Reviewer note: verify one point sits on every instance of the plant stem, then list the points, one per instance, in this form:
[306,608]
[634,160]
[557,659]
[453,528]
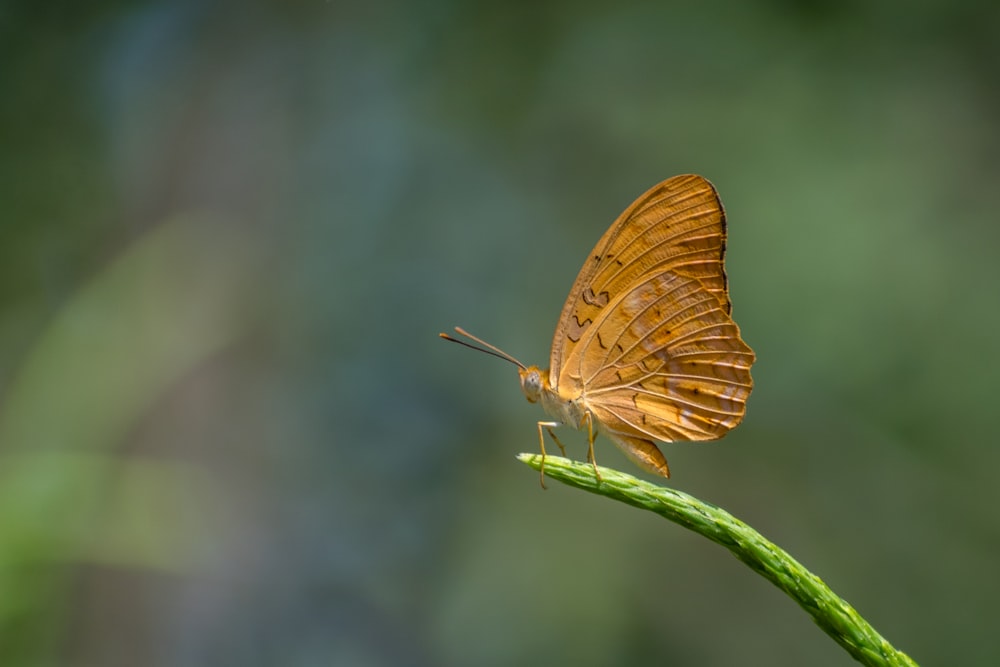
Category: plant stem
[833,614]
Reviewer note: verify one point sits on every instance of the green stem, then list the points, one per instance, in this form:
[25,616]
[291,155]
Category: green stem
[834,615]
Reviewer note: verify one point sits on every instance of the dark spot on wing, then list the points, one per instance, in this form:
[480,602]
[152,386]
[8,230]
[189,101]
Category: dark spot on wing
[575,332]
[592,299]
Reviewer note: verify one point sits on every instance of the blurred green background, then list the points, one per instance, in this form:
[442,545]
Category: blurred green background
[231,231]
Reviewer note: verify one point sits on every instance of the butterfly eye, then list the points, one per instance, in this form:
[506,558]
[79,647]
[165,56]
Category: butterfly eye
[531,384]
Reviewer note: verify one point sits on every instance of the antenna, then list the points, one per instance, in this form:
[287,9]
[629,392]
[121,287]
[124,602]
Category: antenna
[486,347]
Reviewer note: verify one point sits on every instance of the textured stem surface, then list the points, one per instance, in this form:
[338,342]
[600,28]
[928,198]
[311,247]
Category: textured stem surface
[834,615]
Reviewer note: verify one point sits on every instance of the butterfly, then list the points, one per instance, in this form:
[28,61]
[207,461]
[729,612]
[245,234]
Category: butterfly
[646,349]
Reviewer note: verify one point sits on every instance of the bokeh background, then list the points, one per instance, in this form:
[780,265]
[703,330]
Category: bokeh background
[231,231]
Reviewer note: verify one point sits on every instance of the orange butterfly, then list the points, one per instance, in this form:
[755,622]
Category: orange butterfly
[645,348]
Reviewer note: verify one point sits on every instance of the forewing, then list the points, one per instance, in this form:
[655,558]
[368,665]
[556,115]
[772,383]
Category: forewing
[677,226]
[664,360]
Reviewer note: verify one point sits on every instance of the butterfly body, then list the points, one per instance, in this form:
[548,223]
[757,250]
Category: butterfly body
[572,410]
[567,410]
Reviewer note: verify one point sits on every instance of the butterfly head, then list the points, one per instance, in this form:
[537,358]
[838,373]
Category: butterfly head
[533,380]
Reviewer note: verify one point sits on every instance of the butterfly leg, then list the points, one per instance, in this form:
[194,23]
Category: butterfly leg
[541,444]
[590,437]
[548,427]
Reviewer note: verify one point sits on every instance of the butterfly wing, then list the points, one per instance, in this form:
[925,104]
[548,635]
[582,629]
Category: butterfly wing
[665,361]
[645,337]
[677,226]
